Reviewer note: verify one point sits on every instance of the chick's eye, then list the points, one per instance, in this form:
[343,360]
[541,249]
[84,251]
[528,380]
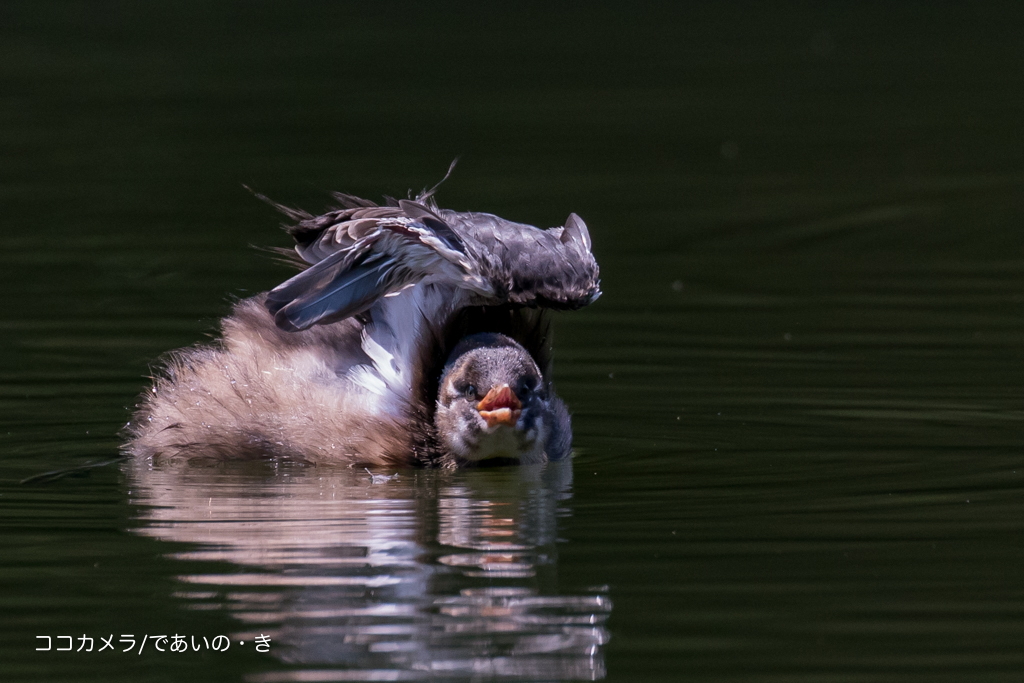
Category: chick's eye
[467,390]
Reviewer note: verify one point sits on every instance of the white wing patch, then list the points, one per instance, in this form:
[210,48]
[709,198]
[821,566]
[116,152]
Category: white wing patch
[385,365]
[366,376]
[392,341]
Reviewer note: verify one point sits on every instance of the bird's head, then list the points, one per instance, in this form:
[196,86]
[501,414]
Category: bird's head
[493,402]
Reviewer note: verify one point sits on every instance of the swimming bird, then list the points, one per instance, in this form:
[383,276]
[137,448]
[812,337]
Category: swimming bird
[414,335]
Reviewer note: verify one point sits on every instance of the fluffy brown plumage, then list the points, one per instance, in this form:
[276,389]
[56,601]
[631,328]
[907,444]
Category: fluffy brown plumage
[260,392]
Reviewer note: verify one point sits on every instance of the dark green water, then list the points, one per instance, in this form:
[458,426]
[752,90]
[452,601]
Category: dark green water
[797,408]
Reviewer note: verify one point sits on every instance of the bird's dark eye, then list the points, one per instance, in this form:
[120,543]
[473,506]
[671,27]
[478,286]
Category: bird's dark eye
[467,390]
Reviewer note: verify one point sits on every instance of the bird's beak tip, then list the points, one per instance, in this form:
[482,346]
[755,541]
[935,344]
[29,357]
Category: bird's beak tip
[500,406]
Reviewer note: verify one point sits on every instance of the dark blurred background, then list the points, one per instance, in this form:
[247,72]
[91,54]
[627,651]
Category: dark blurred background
[808,218]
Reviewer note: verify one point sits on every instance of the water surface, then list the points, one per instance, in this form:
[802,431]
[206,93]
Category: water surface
[797,407]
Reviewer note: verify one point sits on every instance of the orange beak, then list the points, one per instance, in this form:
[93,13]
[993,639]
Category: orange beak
[500,407]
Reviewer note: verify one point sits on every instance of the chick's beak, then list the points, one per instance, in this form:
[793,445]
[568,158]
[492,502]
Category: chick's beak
[500,406]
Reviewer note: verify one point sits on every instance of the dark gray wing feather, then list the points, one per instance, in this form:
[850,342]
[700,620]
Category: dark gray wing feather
[551,268]
[362,252]
[336,288]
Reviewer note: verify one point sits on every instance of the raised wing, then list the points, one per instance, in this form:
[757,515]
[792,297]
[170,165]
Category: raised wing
[551,268]
[362,252]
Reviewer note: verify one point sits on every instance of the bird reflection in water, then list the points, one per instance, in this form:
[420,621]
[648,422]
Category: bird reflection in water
[431,575]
